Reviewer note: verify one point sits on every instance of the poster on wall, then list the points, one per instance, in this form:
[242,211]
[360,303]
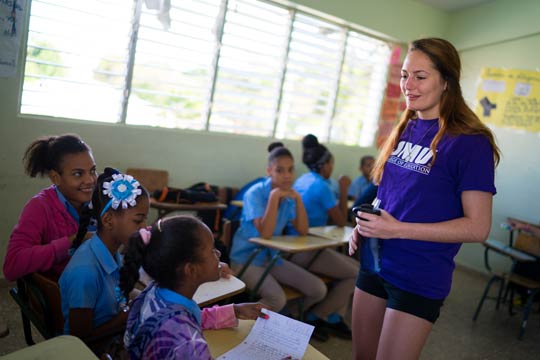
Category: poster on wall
[11,20]
[509,98]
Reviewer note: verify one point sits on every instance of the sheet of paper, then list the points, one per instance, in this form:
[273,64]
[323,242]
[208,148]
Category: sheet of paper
[275,338]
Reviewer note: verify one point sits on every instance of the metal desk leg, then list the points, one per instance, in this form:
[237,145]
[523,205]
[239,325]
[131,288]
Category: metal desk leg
[266,272]
[314,258]
[248,262]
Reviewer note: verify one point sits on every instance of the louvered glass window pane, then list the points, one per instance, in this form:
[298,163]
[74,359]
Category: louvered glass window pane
[172,75]
[361,90]
[76,59]
[250,68]
[313,66]
[239,66]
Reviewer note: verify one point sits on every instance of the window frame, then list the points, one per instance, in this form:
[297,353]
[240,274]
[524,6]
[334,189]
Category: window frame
[326,127]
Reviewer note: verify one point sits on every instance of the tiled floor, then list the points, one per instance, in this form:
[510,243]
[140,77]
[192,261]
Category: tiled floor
[454,336]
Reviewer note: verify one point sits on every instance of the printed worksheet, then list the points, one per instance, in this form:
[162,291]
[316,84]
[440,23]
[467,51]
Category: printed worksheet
[275,338]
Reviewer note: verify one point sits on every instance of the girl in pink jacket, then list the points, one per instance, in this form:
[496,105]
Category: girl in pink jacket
[41,240]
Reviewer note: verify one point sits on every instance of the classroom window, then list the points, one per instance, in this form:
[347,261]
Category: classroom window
[238,66]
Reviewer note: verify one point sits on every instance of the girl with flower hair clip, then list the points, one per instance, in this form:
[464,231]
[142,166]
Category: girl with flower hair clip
[92,303]
[164,321]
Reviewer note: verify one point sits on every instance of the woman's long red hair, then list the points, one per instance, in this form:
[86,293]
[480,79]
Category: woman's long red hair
[455,118]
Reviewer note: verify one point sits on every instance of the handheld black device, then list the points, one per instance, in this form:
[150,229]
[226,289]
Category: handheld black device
[366,208]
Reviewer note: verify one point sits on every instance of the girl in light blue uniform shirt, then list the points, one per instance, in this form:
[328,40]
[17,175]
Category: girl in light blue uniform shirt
[269,206]
[320,204]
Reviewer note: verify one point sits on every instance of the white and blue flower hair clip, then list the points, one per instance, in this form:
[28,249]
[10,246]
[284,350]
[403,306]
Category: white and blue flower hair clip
[123,190]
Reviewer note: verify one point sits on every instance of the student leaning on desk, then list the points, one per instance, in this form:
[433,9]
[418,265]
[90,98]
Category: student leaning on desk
[164,321]
[46,228]
[269,206]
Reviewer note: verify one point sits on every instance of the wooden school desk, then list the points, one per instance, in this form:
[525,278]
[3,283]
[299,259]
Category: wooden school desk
[163,208]
[511,235]
[239,203]
[59,347]
[287,244]
[333,232]
[294,244]
[210,292]
[223,340]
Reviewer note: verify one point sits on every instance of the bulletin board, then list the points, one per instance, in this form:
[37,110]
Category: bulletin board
[509,98]
[11,20]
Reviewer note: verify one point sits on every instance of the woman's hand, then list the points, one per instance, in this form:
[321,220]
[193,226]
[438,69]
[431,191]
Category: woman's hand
[224,270]
[249,311]
[354,241]
[383,226]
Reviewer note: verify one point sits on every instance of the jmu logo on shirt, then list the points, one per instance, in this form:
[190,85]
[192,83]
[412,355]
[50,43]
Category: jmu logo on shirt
[412,157]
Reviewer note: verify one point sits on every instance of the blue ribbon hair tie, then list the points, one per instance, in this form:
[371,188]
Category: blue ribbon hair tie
[123,190]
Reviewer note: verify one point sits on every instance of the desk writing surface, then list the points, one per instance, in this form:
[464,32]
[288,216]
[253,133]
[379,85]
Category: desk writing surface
[294,244]
[215,291]
[508,251]
[171,206]
[209,292]
[221,341]
[239,203]
[332,232]
[60,347]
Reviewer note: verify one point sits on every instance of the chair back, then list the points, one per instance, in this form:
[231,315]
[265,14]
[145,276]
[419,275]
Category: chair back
[49,308]
[38,298]
[528,243]
[151,179]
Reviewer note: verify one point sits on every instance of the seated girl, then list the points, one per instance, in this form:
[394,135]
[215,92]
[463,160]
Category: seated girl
[92,303]
[164,322]
[320,206]
[270,206]
[41,239]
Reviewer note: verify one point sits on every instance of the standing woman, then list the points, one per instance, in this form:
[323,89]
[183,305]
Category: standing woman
[436,175]
[48,224]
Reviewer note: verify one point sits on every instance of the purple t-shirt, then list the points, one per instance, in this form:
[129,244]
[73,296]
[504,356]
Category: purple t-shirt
[412,191]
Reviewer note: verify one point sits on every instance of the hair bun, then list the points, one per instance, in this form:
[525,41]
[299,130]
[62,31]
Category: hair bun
[275,145]
[310,141]
[108,172]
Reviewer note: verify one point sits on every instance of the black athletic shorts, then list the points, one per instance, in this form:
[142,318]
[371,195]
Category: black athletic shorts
[398,299]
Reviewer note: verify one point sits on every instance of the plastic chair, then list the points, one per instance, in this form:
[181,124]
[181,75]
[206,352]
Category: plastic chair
[526,248]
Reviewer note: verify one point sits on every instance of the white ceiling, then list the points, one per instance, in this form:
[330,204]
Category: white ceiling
[453,5]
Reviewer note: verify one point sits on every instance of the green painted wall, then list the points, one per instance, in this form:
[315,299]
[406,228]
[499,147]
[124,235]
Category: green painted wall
[504,34]
[404,20]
